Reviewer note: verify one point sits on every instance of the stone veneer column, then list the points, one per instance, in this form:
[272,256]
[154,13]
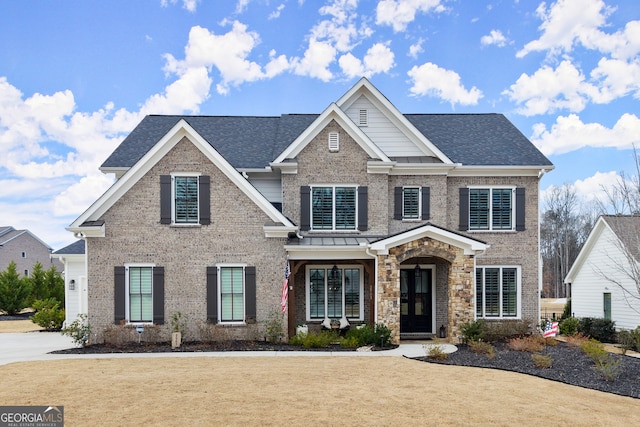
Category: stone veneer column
[460,293]
[389,295]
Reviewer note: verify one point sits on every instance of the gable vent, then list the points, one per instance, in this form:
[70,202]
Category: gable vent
[334,141]
[364,117]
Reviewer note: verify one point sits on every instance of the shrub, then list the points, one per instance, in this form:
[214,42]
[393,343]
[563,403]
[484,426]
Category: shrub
[594,349]
[626,341]
[566,313]
[382,335]
[378,335]
[600,329]
[569,326]
[349,342]
[472,331]
[531,344]
[541,361]
[320,339]
[178,323]
[485,348]
[79,330]
[119,335]
[500,331]
[152,334]
[48,314]
[435,352]
[576,340]
[14,290]
[274,331]
[608,367]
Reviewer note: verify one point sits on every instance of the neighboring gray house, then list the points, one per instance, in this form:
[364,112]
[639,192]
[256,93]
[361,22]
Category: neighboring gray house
[25,249]
[417,221]
[605,276]
[75,279]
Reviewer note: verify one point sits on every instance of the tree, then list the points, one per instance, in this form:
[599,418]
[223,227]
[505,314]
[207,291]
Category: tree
[623,197]
[39,289]
[55,284]
[14,290]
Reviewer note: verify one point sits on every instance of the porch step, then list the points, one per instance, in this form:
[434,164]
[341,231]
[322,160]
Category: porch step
[416,336]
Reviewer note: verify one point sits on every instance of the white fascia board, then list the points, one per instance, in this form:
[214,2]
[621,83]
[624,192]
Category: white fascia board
[278,230]
[500,170]
[594,236]
[297,252]
[377,98]
[377,166]
[470,246]
[155,154]
[92,231]
[332,112]
[119,172]
[287,168]
[423,168]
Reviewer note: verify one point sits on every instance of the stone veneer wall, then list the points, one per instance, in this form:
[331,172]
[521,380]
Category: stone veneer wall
[459,284]
[134,235]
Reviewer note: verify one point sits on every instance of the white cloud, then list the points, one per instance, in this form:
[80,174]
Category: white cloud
[495,37]
[276,13]
[379,59]
[431,80]
[400,13]
[548,90]
[592,189]
[78,197]
[567,22]
[570,133]
[616,78]
[316,61]
[416,49]
[190,5]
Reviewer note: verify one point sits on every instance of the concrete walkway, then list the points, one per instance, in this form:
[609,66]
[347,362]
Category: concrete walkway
[30,346]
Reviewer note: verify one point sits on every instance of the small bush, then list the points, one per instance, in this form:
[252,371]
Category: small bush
[178,323]
[609,367]
[531,344]
[119,336]
[541,361]
[472,331]
[569,326]
[576,340]
[550,341]
[79,330]
[600,329]
[152,334]
[566,313]
[349,342]
[594,349]
[274,331]
[320,339]
[485,348]
[435,352]
[500,331]
[626,341]
[48,314]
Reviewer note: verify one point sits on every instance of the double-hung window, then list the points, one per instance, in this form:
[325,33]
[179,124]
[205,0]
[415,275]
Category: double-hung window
[333,208]
[185,199]
[140,293]
[497,292]
[334,292]
[232,289]
[491,208]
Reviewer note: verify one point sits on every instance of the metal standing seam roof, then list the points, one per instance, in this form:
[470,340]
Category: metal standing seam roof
[253,142]
[334,240]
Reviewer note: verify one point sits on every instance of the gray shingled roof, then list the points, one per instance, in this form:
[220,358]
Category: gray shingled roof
[76,248]
[254,142]
[627,228]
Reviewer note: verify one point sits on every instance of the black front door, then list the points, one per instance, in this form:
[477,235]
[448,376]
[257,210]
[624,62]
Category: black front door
[415,301]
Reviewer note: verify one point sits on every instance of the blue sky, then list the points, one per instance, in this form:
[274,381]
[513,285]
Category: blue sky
[77,76]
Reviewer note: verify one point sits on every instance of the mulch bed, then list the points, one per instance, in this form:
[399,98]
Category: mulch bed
[570,365]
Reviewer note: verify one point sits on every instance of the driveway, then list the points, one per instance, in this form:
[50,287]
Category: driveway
[26,346]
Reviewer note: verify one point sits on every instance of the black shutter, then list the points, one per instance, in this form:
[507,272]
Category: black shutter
[165,199]
[250,294]
[520,208]
[204,199]
[119,294]
[426,202]
[397,203]
[464,209]
[158,295]
[212,294]
[305,208]
[363,208]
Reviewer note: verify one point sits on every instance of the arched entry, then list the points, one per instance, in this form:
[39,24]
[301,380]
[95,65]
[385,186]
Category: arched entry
[417,300]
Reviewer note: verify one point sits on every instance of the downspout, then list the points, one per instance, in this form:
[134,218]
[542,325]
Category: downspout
[375,269]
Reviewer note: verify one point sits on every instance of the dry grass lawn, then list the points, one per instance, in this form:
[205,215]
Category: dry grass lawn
[18,326]
[302,391]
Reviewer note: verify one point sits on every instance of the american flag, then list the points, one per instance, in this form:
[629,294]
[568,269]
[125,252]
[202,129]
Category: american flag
[285,287]
[551,330]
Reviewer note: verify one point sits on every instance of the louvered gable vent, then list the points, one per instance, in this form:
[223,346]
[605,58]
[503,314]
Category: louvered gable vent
[334,141]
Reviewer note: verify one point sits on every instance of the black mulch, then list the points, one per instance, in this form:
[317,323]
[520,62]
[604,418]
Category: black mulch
[570,365]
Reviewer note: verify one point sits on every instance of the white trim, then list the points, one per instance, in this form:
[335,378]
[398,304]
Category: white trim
[582,257]
[327,268]
[175,175]
[219,267]
[501,267]
[419,215]
[490,201]
[333,228]
[469,245]
[431,267]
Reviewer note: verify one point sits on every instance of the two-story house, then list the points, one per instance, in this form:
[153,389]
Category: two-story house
[25,249]
[416,221]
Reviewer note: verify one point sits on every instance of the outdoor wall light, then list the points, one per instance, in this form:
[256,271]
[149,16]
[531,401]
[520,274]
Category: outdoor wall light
[72,285]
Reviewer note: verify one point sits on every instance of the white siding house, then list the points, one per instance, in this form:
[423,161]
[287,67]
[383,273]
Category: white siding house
[602,277]
[75,279]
